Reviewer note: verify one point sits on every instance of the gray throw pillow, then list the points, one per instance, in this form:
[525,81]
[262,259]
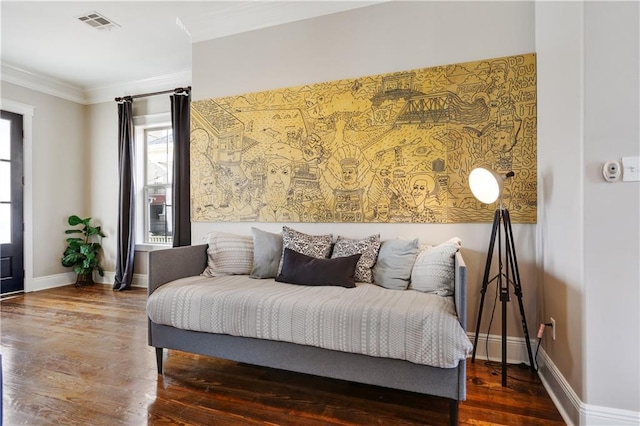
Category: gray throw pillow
[267,250]
[395,262]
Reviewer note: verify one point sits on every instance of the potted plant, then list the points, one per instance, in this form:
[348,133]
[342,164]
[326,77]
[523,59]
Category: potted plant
[83,253]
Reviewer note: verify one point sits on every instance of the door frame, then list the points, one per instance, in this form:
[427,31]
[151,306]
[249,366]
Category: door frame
[27,112]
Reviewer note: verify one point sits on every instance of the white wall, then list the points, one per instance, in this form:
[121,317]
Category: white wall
[589,230]
[58,180]
[612,211]
[559,44]
[384,38]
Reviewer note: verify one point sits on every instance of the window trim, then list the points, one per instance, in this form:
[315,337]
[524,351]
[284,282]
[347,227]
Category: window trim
[141,124]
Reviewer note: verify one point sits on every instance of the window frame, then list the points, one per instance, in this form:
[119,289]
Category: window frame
[141,125]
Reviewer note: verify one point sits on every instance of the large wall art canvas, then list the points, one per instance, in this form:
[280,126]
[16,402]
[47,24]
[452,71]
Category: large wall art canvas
[396,147]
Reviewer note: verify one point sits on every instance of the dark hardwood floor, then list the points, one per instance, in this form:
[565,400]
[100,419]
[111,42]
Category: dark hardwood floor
[79,356]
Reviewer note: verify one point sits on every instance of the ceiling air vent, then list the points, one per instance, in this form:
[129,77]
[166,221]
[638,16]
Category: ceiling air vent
[97,21]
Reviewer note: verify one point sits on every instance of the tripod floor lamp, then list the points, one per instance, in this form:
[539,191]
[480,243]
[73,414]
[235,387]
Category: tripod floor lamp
[486,186]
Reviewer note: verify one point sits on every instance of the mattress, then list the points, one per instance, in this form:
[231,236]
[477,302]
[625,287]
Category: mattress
[368,319]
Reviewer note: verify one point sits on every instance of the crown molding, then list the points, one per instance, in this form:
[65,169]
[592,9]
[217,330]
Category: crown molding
[153,84]
[41,83]
[51,86]
[262,14]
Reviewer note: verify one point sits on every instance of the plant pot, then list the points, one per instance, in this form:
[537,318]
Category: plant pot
[83,280]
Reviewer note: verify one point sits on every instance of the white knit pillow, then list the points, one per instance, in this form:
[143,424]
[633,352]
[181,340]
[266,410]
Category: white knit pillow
[433,272]
[228,254]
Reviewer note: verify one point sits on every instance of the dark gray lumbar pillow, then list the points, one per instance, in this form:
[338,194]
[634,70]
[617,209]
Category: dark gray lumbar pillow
[298,268]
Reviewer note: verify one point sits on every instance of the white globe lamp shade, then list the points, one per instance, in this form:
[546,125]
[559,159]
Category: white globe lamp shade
[485,184]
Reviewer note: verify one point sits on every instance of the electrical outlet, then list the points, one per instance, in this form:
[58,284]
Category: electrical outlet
[553,329]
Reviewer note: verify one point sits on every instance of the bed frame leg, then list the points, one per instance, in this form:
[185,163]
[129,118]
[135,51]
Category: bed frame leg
[454,405]
[159,356]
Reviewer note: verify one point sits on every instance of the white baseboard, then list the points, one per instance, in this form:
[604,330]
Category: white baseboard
[67,278]
[516,348]
[49,281]
[139,280]
[562,394]
[571,408]
[596,415]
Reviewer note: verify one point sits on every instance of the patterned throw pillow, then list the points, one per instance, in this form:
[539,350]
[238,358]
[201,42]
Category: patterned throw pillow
[433,271]
[228,254]
[368,247]
[310,245]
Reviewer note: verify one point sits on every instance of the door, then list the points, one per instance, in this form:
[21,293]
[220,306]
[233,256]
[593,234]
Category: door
[11,192]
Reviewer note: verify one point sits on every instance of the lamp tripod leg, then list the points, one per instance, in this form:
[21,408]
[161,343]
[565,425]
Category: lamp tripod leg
[513,261]
[485,280]
[504,301]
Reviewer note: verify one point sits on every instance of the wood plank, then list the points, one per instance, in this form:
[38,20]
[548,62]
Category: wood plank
[78,356]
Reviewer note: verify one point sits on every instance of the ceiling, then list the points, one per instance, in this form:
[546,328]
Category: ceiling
[45,46]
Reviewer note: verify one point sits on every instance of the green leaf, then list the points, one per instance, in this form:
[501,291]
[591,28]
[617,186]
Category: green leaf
[73,231]
[92,231]
[74,220]
[75,244]
[70,260]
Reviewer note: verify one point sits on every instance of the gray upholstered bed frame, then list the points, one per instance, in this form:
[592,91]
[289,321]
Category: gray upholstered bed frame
[171,264]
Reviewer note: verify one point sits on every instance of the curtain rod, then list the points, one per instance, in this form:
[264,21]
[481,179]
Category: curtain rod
[178,91]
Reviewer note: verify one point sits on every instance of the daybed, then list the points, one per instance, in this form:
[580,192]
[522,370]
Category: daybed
[181,269]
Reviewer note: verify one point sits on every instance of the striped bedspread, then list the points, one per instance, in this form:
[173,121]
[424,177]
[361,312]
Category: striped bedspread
[408,325]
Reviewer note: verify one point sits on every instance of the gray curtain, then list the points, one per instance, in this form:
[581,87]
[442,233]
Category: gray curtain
[126,201]
[180,117]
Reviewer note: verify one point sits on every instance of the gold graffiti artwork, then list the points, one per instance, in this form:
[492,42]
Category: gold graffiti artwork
[394,148]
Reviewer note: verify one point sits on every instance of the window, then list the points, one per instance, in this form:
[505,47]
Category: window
[5,182]
[157,186]
[154,214]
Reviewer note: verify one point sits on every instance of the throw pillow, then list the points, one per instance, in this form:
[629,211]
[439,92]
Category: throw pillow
[228,254]
[310,245]
[433,271]
[267,251]
[298,268]
[367,247]
[395,262]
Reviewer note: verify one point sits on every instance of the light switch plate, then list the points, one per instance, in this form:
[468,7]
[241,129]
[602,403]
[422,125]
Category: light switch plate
[630,169]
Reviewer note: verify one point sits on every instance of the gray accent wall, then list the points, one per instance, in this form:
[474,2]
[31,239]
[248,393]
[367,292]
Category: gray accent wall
[388,37]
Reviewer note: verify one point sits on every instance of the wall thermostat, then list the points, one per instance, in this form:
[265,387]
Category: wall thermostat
[611,171]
